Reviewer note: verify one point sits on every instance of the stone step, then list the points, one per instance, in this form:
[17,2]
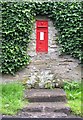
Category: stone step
[45,95]
[42,115]
[47,107]
[44,61]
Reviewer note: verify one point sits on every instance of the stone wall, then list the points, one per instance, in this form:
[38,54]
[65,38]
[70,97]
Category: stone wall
[46,69]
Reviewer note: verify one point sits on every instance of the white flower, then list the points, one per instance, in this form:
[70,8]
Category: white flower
[57,84]
[58,80]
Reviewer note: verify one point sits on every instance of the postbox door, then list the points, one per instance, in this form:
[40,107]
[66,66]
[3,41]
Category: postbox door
[42,39]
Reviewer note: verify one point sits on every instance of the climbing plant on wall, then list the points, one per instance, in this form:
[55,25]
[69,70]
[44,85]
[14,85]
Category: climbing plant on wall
[17,22]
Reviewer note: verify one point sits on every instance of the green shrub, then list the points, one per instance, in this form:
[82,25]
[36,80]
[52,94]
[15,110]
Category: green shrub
[17,22]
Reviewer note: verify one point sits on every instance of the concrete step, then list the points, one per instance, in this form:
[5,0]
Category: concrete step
[46,107]
[42,115]
[45,95]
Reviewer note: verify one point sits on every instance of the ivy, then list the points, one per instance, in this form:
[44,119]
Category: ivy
[17,22]
[17,25]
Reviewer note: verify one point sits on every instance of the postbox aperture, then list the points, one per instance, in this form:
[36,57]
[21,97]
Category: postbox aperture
[42,36]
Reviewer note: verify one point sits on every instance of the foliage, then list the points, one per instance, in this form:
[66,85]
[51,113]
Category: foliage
[17,21]
[49,85]
[12,98]
[73,90]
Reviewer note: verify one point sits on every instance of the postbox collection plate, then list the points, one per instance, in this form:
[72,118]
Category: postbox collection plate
[42,36]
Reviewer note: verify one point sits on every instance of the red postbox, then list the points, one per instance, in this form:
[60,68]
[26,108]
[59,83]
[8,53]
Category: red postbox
[42,36]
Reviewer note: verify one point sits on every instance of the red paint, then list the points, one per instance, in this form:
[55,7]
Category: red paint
[42,36]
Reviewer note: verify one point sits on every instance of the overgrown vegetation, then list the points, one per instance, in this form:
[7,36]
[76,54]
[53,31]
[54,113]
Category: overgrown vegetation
[12,98]
[73,90]
[17,21]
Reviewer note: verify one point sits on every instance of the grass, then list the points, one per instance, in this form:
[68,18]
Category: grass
[73,91]
[12,98]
